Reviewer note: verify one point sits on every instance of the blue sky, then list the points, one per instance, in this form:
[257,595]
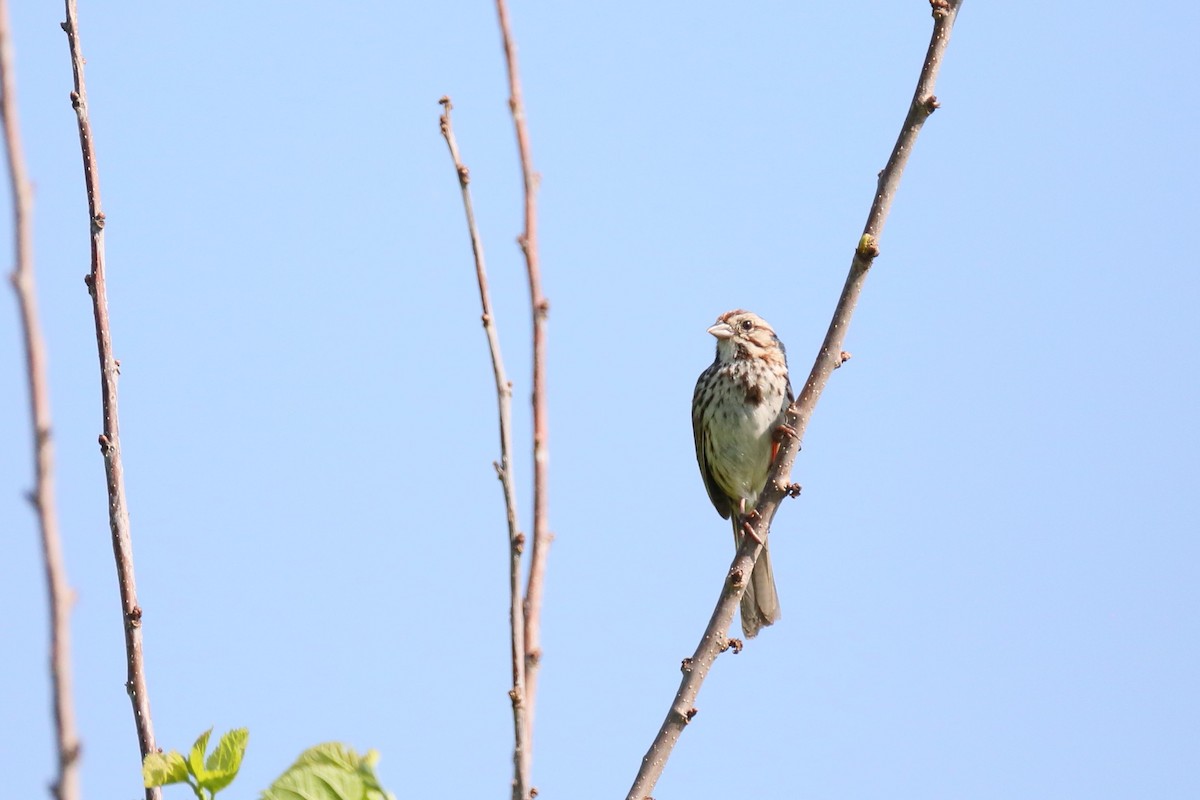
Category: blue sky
[989,584]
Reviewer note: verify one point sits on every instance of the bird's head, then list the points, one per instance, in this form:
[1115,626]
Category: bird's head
[745,335]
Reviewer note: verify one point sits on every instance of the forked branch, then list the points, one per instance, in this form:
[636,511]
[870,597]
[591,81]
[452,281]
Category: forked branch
[110,438]
[829,358]
[66,782]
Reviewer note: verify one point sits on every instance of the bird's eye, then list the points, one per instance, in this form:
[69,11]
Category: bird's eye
[747,325]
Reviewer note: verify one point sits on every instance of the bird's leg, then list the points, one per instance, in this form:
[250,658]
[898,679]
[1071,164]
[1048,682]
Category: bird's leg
[782,431]
[748,519]
[748,529]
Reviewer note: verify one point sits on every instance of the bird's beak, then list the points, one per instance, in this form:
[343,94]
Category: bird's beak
[721,330]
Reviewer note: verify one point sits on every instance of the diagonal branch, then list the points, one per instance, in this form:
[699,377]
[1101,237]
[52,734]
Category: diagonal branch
[110,440]
[829,358]
[541,426]
[66,783]
[516,540]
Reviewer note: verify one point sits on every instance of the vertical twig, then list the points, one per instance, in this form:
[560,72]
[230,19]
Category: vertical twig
[66,782]
[516,540]
[541,426]
[829,358]
[110,440]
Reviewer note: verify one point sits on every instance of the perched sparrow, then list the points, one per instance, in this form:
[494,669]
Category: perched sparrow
[738,404]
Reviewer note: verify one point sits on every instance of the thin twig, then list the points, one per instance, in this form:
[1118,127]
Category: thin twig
[829,358]
[110,440]
[541,426]
[66,783]
[516,540]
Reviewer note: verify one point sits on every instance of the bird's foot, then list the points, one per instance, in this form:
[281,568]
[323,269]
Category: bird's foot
[784,431]
[748,527]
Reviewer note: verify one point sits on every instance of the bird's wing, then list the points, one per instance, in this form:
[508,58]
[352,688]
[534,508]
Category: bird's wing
[718,498]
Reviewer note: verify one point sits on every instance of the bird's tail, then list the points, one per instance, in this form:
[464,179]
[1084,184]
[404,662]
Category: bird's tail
[760,603]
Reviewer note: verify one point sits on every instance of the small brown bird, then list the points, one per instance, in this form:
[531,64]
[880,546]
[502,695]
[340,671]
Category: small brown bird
[738,404]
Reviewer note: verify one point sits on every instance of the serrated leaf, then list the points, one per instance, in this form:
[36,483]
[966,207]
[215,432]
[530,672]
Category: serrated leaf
[163,769]
[222,765]
[195,759]
[329,771]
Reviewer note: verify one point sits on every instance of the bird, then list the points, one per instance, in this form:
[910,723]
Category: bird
[738,406]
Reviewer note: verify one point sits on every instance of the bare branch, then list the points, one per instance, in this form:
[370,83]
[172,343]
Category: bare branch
[830,357]
[66,782]
[110,440]
[541,427]
[516,540]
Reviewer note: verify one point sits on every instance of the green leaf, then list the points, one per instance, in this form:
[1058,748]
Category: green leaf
[195,760]
[329,771]
[162,769]
[222,765]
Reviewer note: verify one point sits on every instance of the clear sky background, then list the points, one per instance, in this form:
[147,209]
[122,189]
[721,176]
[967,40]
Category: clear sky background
[990,583]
